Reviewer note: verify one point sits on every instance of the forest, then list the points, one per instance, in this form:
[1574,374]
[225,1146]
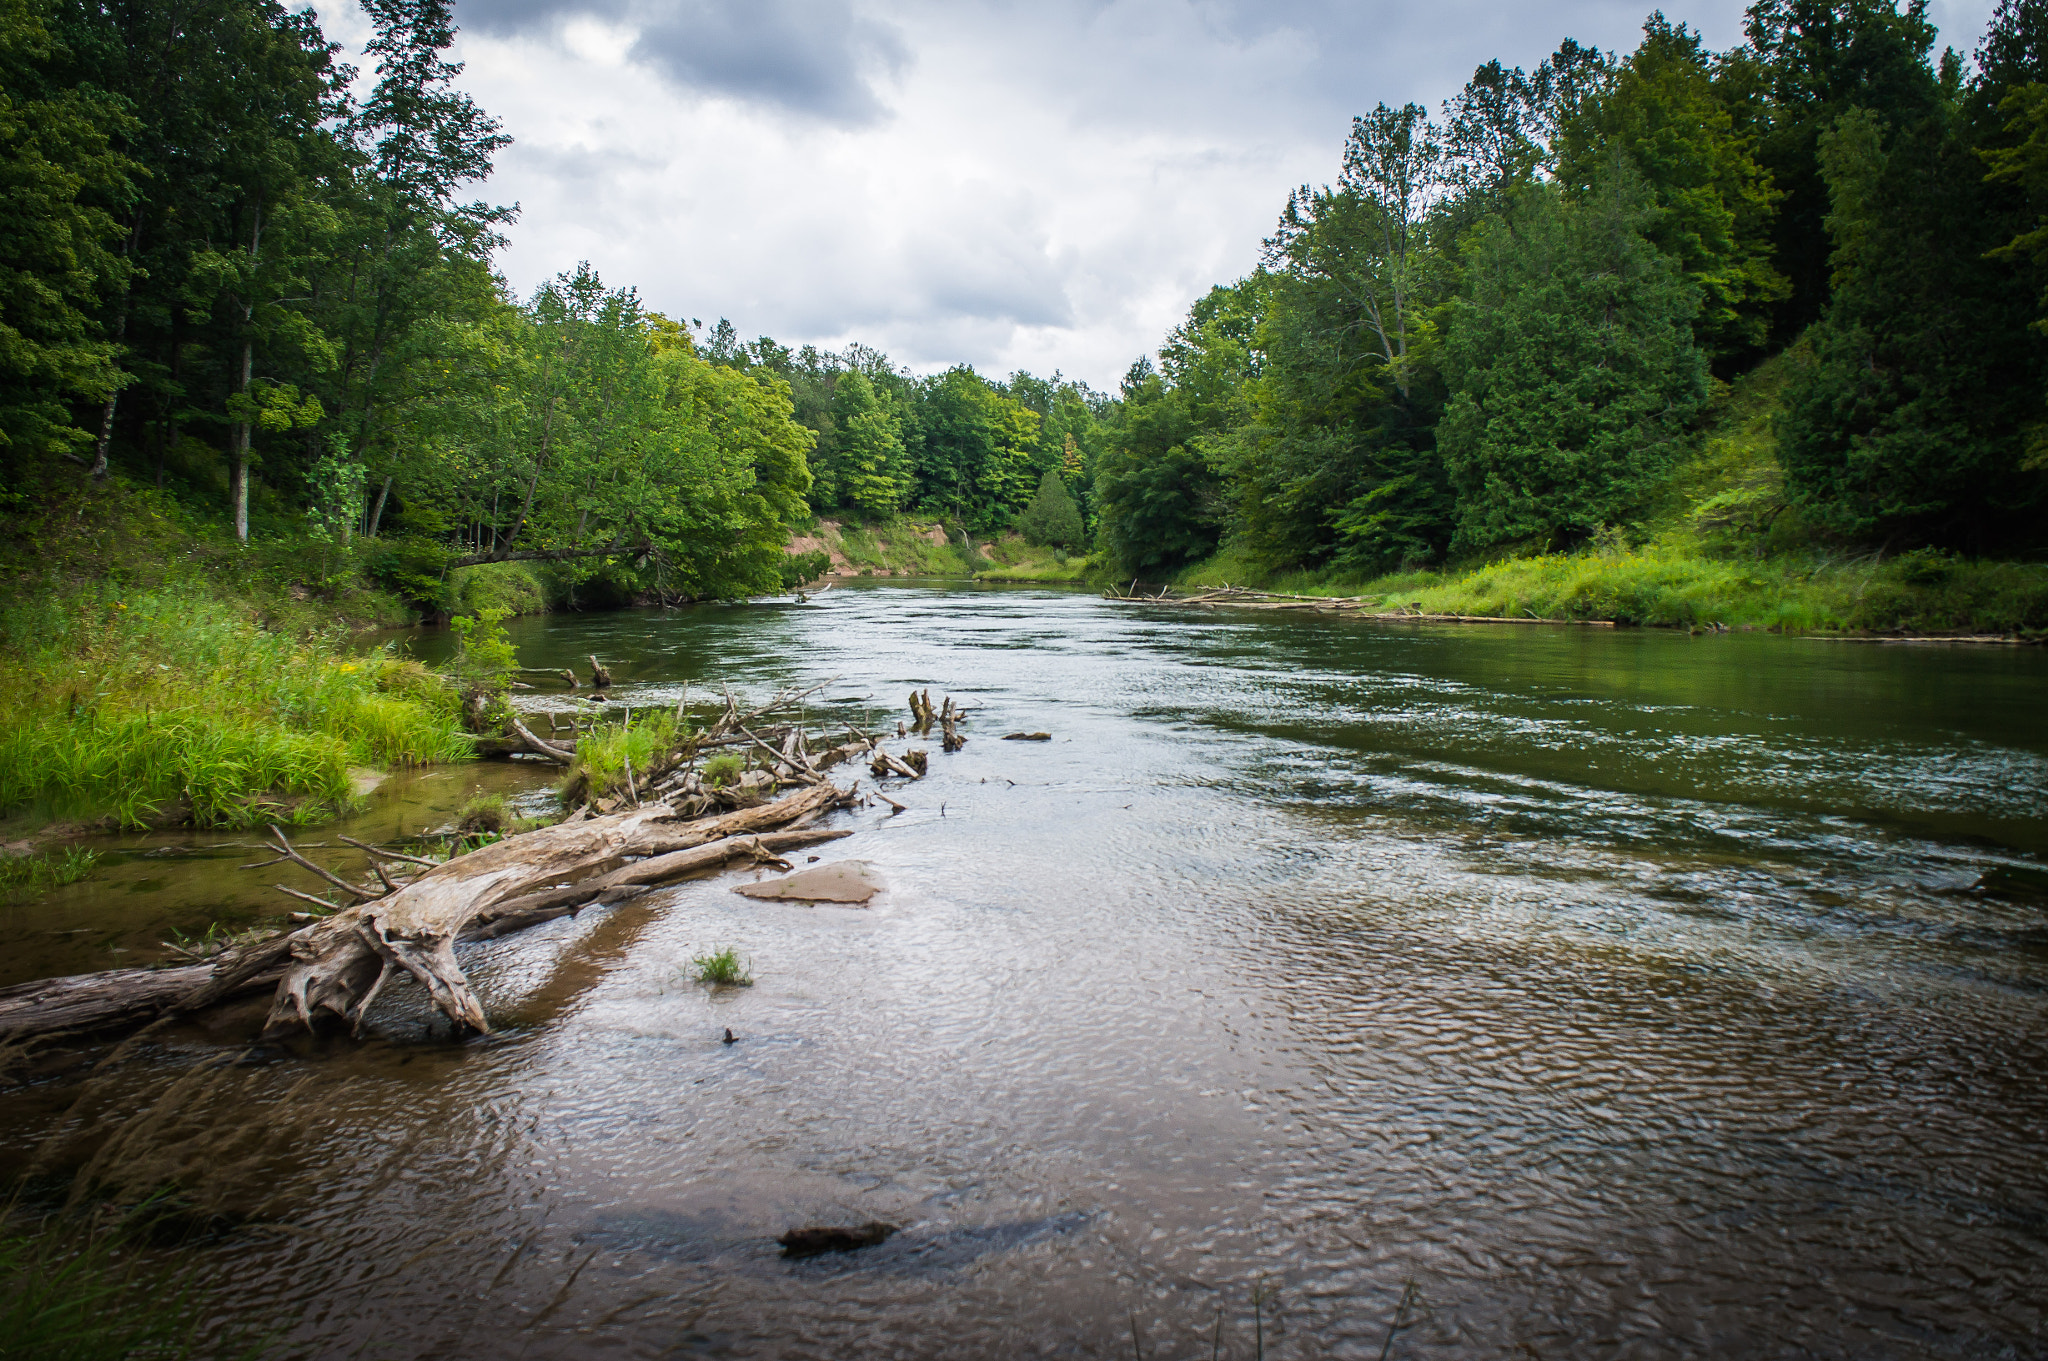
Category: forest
[1783,299]
[1515,326]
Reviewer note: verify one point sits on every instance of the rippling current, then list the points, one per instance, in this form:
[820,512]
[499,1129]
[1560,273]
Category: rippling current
[1321,989]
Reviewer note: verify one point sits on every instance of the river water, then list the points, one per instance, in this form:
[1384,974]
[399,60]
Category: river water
[1322,988]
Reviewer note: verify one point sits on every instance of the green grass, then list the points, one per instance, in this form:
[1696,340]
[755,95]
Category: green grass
[1676,588]
[72,1291]
[722,969]
[486,813]
[30,875]
[601,753]
[723,769]
[176,705]
[1721,548]
[1015,560]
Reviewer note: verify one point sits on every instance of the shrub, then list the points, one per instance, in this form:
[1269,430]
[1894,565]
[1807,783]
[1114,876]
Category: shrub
[722,969]
[483,666]
[722,770]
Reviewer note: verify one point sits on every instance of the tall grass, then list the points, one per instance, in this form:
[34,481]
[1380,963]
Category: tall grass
[175,705]
[601,753]
[79,1292]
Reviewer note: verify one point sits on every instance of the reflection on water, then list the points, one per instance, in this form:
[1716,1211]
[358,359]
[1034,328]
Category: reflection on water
[1626,994]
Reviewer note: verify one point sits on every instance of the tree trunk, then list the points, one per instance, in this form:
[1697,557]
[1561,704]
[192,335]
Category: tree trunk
[238,477]
[341,962]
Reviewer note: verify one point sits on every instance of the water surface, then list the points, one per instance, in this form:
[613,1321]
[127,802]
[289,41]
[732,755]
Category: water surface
[1603,993]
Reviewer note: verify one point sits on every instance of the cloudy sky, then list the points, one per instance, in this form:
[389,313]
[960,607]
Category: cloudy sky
[1038,186]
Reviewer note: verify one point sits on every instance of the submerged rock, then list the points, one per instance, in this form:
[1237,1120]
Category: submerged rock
[809,1242]
[842,881]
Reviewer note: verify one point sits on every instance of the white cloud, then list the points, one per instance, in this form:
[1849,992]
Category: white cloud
[1039,186]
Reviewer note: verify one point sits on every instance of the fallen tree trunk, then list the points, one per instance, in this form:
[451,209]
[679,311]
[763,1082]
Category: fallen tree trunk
[338,965]
[114,1000]
[535,908]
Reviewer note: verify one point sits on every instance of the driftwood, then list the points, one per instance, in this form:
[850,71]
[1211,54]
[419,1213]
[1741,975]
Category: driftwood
[600,679]
[539,748]
[337,964]
[115,999]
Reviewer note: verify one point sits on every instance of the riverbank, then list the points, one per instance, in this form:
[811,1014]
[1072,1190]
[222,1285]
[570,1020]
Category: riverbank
[153,674]
[1673,588]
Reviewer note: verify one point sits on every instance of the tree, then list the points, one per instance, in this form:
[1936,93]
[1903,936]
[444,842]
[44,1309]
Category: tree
[1711,201]
[61,178]
[1907,426]
[1814,60]
[1571,367]
[1052,519]
[873,469]
[1160,504]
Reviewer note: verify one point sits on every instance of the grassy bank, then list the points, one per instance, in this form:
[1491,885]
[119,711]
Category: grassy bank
[1015,560]
[1661,585]
[899,547]
[1721,547]
[151,673]
[175,705]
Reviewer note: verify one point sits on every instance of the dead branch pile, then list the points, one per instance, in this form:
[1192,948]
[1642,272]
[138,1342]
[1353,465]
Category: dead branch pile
[410,913]
[406,913]
[776,754]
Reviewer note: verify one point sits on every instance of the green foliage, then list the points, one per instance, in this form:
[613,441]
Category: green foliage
[1668,119]
[722,969]
[485,813]
[1908,424]
[173,706]
[1052,519]
[63,179]
[29,875]
[603,751]
[1161,504]
[1572,370]
[484,662]
[723,769]
[801,569]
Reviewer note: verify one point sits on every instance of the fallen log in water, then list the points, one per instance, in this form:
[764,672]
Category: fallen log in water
[336,965]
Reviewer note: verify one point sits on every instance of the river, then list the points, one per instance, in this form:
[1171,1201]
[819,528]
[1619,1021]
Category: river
[1323,988]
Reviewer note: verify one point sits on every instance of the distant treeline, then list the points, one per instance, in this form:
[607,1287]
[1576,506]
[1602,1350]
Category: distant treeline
[1500,330]
[953,444]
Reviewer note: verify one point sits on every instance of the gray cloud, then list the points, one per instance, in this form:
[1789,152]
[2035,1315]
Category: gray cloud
[1050,184]
[811,58]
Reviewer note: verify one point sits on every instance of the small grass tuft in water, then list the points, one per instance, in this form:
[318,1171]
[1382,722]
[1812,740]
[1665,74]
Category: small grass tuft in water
[722,969]
[27,875]
[487,813]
